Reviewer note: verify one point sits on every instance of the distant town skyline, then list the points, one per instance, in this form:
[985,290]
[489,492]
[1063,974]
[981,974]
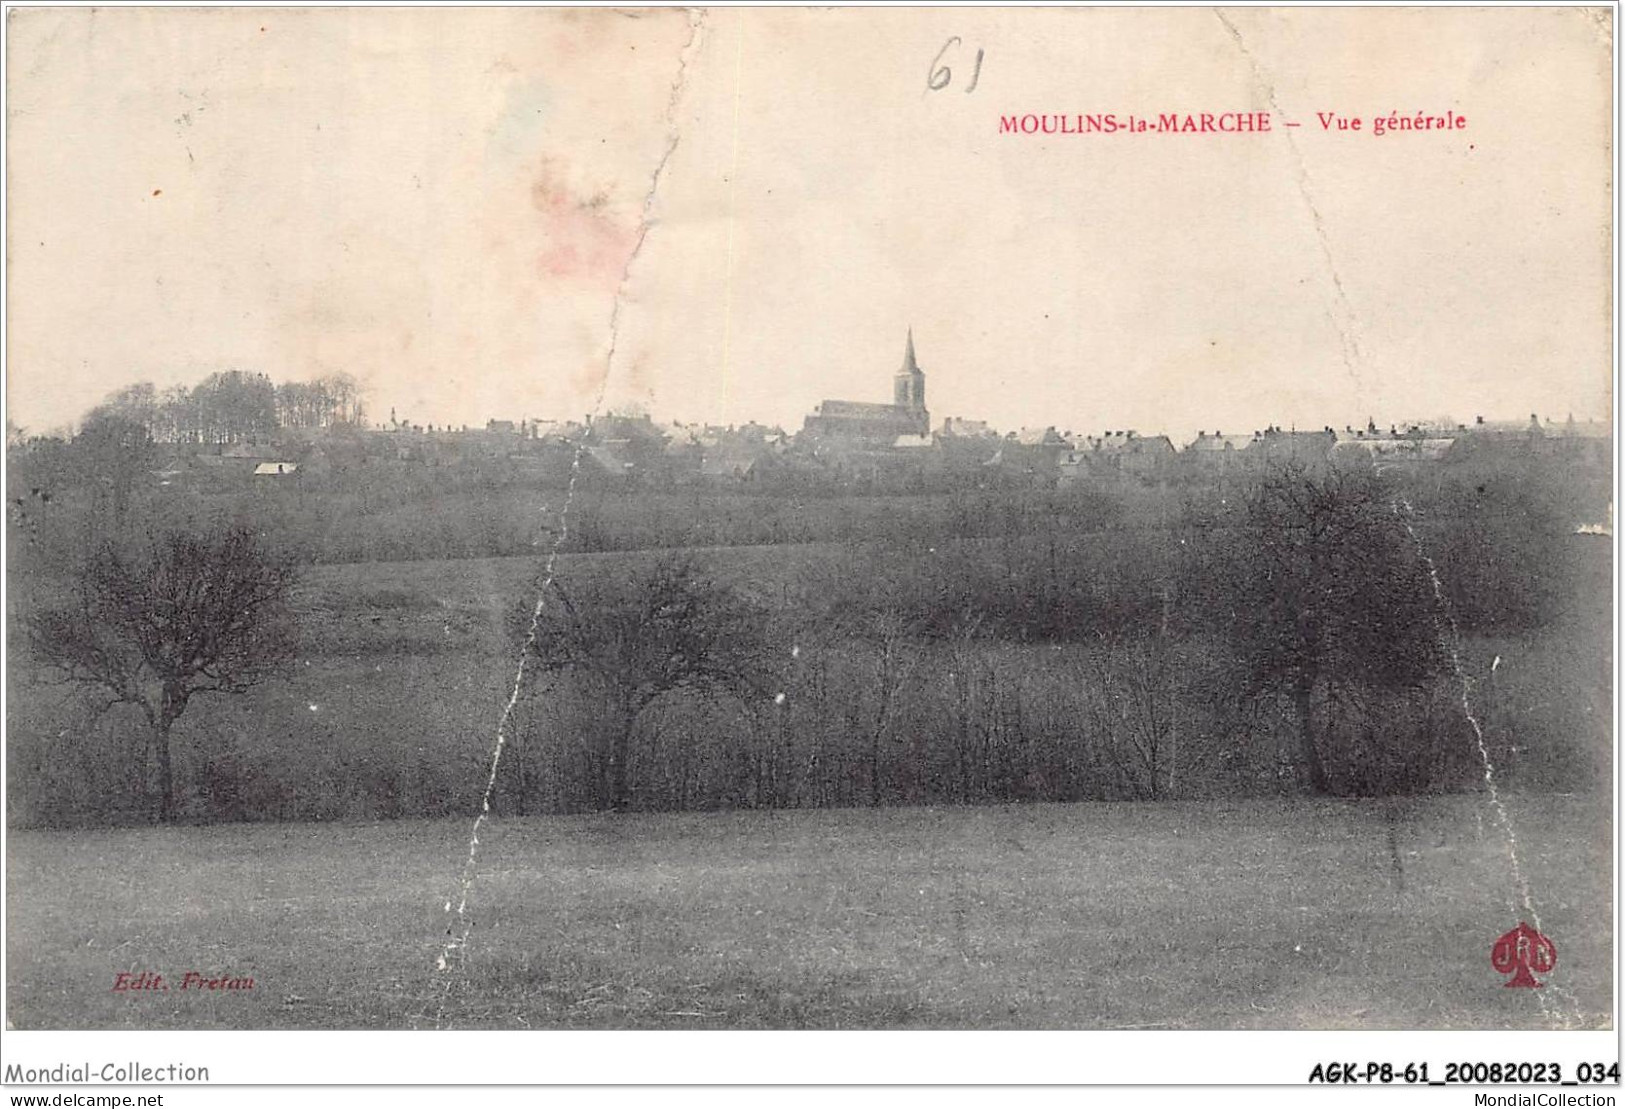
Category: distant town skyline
[379,416]
[1439,420]
[392,418]
[454,206]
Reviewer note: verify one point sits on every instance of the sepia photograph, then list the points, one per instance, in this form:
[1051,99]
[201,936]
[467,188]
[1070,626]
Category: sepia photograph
[539,519]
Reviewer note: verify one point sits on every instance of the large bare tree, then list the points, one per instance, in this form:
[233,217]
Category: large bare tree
[654,631]
[1334,600]
[181,615]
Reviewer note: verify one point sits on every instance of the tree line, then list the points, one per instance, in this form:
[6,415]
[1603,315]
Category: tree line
[1304,634]
[233,406]
[1317,614]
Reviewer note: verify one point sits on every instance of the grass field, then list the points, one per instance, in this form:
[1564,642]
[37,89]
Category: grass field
[1270,914]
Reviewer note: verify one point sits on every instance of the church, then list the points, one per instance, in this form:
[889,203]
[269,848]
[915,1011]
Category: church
[860,423]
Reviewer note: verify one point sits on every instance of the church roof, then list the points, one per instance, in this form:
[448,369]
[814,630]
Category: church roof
[862,409]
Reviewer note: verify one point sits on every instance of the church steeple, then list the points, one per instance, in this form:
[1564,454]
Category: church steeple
[908,388]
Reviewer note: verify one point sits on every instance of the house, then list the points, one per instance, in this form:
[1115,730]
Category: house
[1589,444]
[731,459]
[1293,448]
[967,445]
[276,469]
[955,427]
[1033,452]
[1146,456]
[617,427]
[1402,451]
[542,430]
[1118,453]
[1216,448]
[1497,440]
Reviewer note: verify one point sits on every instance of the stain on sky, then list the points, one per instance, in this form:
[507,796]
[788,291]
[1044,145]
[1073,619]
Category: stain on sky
[582,238]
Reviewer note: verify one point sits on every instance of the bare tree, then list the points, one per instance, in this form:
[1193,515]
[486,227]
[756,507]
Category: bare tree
[345,394]
[894,638]
[972,684]
[1332,599]
[191,614]
[137,403]
[112,453]
[1131,701]
[861,604]
[661,630]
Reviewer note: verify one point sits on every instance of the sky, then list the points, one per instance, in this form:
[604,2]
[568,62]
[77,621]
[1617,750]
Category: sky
[735,213]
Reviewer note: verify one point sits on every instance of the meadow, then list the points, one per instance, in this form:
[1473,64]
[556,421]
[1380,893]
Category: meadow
[997,779]
[1269,913]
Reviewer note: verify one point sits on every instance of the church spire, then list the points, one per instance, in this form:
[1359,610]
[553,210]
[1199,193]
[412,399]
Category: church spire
[910,366]
[909,384]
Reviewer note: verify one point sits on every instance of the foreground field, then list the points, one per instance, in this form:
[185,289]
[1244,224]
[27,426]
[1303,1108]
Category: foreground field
[1331,914]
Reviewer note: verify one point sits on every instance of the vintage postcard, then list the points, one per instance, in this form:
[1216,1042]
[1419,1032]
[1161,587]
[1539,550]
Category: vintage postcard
[1091,519]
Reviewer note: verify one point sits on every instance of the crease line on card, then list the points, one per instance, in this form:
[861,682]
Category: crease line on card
[1347,326]
[453,950]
